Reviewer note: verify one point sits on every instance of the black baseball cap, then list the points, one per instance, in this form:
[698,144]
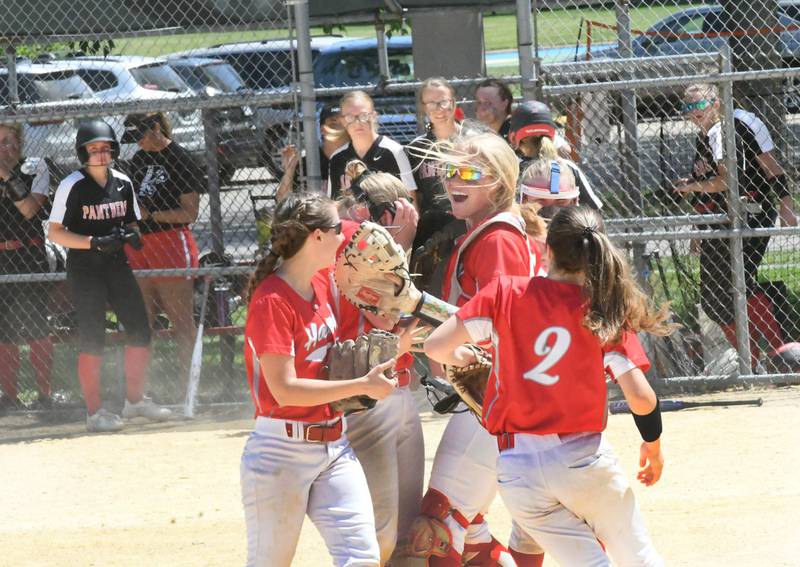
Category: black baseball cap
[328,111]
[137,125]
[531,118]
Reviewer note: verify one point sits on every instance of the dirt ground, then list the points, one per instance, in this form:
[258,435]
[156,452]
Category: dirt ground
[169,494]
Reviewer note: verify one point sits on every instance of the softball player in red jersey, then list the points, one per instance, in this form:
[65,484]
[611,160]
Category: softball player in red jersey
[546,398]
[388,438]
[481,182]
[298,460]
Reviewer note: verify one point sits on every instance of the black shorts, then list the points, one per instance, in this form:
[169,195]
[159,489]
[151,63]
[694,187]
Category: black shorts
[24,306]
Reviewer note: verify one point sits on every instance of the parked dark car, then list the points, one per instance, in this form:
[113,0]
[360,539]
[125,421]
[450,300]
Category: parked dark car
[709,20]
[240,144]
[337,61]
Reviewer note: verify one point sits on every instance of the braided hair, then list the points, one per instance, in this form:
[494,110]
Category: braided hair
[294,219]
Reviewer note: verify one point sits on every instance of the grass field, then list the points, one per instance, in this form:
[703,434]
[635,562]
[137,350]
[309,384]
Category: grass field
[556,28]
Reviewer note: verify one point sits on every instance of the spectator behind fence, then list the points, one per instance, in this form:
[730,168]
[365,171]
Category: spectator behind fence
[493,100]
[533,134]
[94,213]
[379,152]
[166,179]
[761,180]
[24,188]
[333,136]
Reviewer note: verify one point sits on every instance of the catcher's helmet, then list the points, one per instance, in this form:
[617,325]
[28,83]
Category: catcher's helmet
[95,130]
[787,358]
[532,118]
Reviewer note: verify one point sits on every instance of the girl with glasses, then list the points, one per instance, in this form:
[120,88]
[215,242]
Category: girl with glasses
[298,461]
[480,177]
[546,397]
[762,182]
[378,152]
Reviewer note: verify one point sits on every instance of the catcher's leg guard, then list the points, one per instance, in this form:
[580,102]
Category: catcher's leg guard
[490,554]
[429,536]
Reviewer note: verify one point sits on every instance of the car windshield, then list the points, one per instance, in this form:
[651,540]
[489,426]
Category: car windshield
[223,77]
[266,69]
[58,85]
[360,67]
[159,77]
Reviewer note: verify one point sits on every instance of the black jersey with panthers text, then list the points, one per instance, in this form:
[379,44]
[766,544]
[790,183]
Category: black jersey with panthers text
[84,207]
[384,155]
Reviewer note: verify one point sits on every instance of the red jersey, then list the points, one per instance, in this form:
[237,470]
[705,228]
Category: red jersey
[549,372]
[279,321]
[495,247]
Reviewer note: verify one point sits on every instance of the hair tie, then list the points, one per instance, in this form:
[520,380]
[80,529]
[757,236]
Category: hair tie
[588,232]
[355,186]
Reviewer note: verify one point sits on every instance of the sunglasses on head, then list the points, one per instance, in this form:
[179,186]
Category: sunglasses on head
[464,172]
[337,228]
[697,105]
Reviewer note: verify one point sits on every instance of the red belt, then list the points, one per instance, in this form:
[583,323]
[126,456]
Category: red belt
[318,433]
[17,244]
[505,441]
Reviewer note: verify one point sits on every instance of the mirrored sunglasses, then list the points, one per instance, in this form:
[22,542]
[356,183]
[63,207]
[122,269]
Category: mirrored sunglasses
[464,172]
[697,105]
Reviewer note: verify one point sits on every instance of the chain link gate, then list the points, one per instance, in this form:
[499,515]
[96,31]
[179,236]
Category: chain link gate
[205,156]
[226,81]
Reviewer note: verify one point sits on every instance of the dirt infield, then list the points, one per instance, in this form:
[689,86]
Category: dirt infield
[169,494]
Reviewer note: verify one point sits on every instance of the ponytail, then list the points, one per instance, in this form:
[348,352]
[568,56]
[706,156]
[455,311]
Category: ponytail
[295,218]
[579,245]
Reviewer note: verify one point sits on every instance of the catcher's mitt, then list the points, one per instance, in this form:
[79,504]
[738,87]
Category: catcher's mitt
[352,359]
[373,275]
[470,381]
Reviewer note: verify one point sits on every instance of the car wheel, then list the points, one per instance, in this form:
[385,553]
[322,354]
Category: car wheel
[275,140]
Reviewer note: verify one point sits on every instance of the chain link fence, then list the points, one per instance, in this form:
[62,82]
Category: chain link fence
[224,83]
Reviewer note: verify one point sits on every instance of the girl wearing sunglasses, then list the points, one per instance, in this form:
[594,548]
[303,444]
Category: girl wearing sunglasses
[481,181]
[298,461]
[379,152]
[762,181]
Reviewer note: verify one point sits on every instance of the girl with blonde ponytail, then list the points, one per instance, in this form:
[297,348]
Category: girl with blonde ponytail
[557,474]
[299,442]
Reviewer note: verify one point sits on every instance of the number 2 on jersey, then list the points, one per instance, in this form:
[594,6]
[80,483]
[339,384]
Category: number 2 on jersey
[552,354]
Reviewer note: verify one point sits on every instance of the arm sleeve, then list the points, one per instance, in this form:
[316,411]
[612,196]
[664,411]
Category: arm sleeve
[41,179]
[478,313]
[271,326]
[625,355]
[59,211]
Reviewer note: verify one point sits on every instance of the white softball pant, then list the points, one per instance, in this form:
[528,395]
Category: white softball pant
[464,470]
[567,492]
[285,478]
[388,442]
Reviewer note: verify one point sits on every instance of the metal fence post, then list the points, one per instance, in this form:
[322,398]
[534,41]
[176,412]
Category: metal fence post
[525,48]
[735,212]
[212,171]
[308,99]
[383,52]
[13,85]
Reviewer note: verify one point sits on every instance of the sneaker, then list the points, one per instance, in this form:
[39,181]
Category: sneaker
[146,408]
[103,421]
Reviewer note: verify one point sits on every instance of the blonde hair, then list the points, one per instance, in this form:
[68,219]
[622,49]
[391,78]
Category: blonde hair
[17,131]
[540,169]
[579,245]
[545,147]
[379,186]
[703,90]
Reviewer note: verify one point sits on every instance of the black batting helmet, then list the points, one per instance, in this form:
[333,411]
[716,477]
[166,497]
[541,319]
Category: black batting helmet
[95,130]
[531,118]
